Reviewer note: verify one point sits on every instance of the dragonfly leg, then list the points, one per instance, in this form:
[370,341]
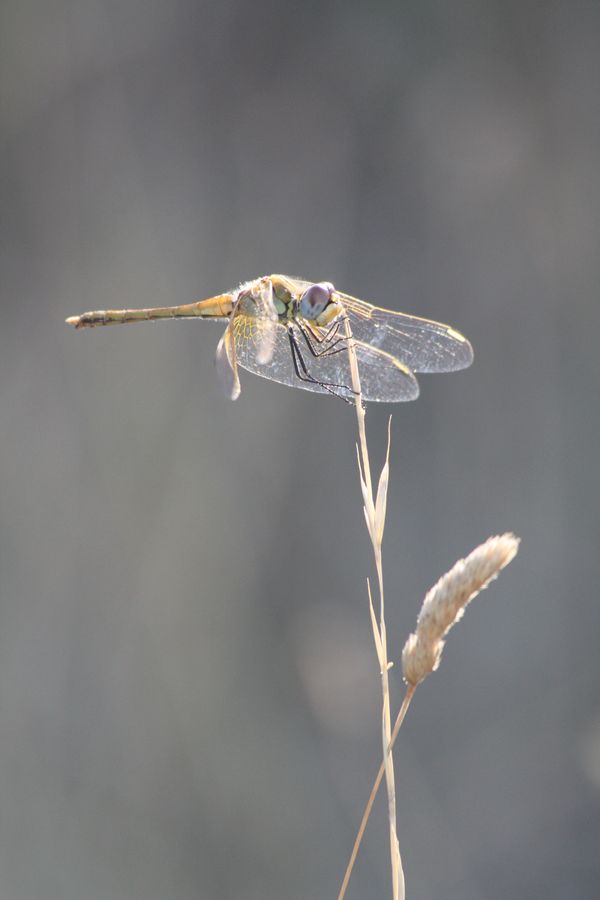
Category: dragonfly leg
[303,373]
[316,342]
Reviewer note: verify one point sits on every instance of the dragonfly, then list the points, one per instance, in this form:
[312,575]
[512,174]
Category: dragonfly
[294,332]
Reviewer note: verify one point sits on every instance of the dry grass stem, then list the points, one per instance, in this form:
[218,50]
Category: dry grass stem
[374,510]
[446,601]
[365,818]
[442,607]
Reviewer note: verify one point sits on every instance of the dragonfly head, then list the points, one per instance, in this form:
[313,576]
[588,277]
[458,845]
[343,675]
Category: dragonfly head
[316,299]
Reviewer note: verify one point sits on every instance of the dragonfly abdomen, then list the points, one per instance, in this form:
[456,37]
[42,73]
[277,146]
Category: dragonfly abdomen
[216,307]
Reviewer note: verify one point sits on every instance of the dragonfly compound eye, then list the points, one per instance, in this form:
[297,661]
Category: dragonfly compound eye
[315,299]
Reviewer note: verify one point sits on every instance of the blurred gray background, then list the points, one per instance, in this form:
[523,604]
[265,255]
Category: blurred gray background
[189,695]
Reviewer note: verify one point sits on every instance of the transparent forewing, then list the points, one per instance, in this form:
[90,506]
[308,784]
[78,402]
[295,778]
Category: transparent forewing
[293,362]
[422,345]
[255,304]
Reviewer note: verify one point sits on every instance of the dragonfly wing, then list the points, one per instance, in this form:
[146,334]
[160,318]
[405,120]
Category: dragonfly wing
[383,378]
[227,365]
[421,344]
[267,312]
[293,363]
[257,318]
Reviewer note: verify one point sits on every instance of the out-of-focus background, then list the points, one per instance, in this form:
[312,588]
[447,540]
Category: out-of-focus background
[189,697]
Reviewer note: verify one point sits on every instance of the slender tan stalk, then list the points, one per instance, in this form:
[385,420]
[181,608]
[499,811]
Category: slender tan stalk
[374,508]
[363,823]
